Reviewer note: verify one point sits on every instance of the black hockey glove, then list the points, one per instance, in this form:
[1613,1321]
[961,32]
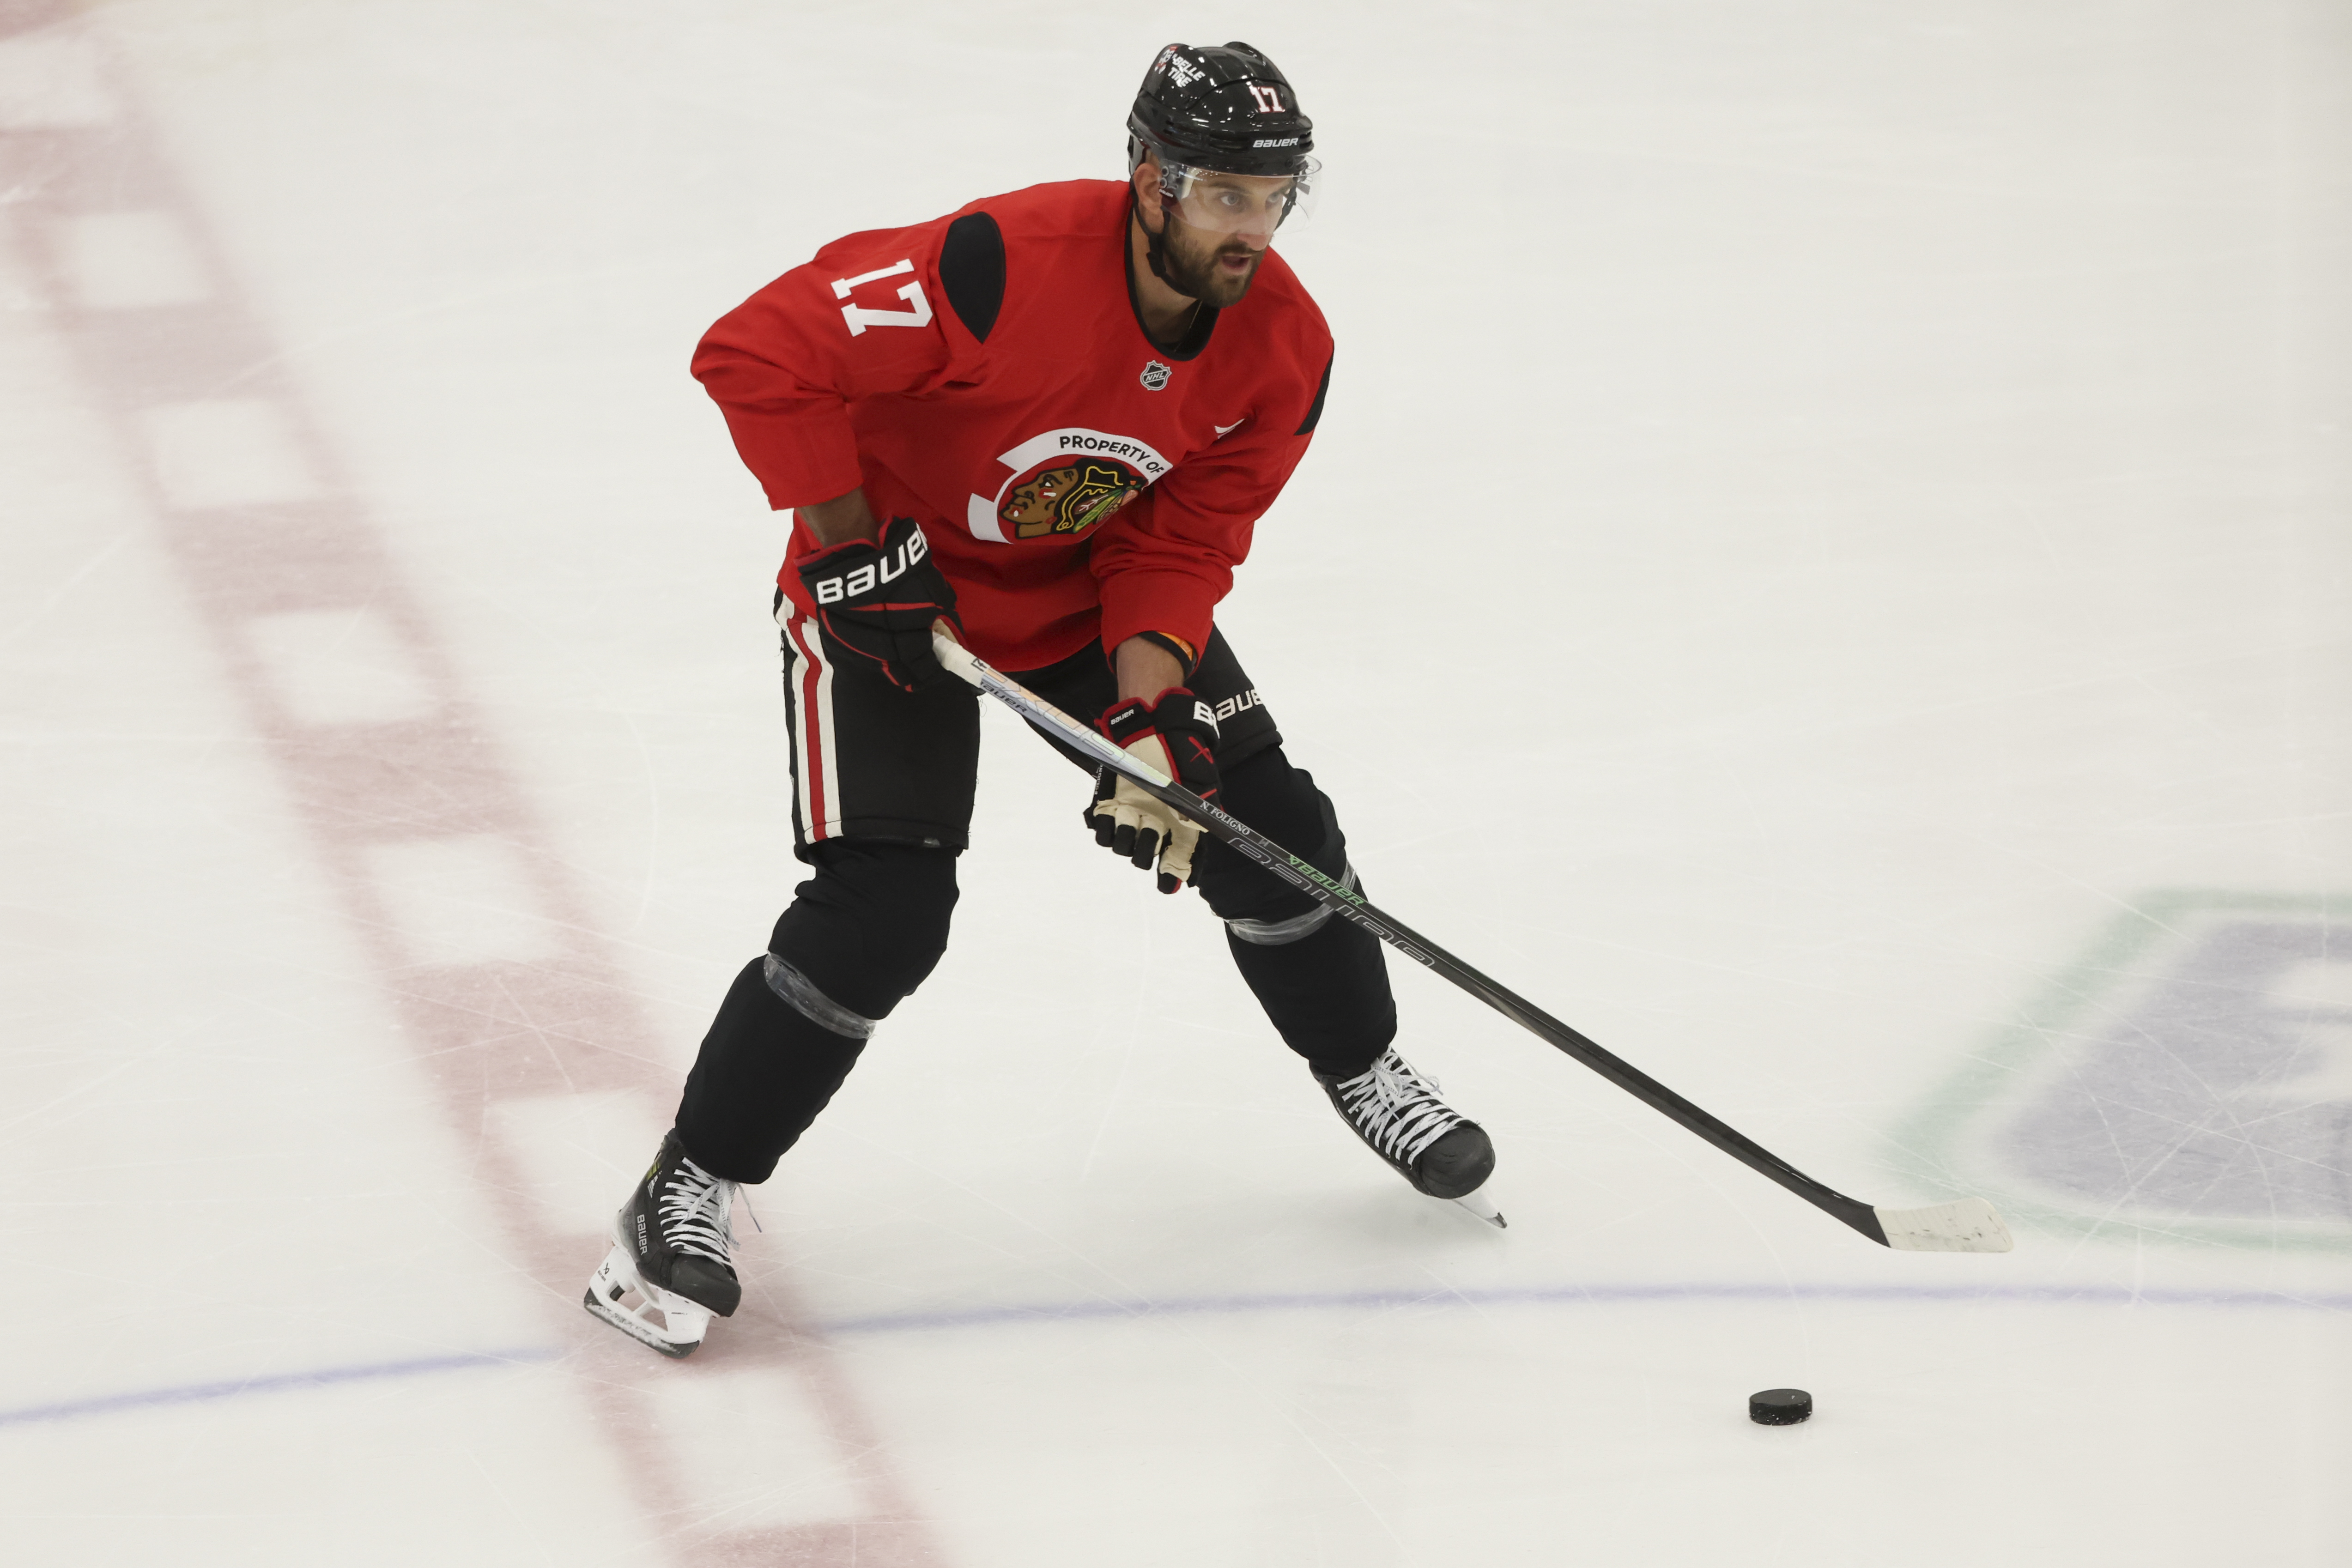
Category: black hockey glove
[877,602]
[1176,733]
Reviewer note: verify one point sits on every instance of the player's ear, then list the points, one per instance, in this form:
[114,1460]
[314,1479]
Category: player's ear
[1146,181]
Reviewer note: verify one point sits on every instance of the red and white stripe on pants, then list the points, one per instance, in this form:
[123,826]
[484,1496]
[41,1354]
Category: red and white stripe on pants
[815,773]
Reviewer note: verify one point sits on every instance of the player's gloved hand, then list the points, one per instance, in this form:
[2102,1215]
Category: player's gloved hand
[1176,733]
[878,601]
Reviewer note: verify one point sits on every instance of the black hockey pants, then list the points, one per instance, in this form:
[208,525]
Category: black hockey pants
[883,787]
[867,927]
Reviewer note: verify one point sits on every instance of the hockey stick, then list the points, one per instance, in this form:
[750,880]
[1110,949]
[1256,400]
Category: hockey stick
[1966,1225]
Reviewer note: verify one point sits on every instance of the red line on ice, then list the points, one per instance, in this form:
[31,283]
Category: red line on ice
[489,1030]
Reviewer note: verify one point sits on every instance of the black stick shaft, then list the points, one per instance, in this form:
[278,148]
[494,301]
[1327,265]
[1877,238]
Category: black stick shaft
[1351,905]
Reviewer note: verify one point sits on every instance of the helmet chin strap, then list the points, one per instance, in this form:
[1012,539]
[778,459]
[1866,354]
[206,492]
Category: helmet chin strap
[1155,245]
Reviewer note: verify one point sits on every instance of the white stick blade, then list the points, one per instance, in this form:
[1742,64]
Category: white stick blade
[1967,1225]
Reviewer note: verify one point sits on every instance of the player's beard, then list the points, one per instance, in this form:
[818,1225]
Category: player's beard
[1188,264]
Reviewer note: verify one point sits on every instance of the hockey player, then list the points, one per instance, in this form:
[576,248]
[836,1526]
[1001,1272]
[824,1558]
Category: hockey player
[1048,421]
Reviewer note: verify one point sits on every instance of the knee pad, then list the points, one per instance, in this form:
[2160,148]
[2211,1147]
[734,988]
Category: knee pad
[864,931]
[1322,980]
[1282,802]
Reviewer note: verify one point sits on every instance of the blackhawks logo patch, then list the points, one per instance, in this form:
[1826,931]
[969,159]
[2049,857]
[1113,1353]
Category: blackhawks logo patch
[1068,500]
[1061,484]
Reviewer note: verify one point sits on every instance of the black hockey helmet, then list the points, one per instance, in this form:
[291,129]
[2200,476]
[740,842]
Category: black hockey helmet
[1228,110]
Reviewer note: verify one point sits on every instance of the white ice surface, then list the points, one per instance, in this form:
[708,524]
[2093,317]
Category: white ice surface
[1819,510]
[129,261]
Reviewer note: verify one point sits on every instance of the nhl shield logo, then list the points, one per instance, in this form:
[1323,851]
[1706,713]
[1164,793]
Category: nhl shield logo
[1155,375]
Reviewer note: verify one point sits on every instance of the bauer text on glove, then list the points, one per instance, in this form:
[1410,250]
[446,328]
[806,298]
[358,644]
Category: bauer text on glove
[877,602]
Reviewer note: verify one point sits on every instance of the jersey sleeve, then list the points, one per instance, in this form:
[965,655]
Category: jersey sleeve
[863,319]
[1165,563]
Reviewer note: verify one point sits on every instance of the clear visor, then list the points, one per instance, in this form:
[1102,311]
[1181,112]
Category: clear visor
[1220,203]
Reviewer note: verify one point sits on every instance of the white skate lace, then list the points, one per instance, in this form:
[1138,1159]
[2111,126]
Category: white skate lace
[694,1213]
[1397,1108]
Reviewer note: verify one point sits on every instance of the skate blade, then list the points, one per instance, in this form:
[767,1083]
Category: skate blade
[648,1314]
[1479,1204]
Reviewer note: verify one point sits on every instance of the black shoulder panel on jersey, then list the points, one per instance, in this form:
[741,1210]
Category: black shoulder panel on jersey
[972,265]
[1315,409]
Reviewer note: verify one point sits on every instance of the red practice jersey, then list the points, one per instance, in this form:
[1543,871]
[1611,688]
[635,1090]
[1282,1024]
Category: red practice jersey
[986,374]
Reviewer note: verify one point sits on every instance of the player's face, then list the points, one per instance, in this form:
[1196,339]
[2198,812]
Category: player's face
[1215,267]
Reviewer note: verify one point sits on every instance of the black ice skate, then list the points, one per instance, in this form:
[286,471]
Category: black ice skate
[1398,1115]
[671,1267]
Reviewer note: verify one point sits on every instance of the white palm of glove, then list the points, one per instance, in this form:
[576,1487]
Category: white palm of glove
[1140,825]
[1174,735]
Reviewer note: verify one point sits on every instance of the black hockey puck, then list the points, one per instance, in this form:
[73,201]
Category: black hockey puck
[1779,1406]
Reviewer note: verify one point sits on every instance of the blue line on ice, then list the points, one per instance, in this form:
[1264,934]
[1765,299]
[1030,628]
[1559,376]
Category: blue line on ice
[1574,1295]
[275,1383]
[1210,1306]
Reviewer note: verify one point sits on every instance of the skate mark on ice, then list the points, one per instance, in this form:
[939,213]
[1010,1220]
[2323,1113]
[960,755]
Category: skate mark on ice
[273,1383]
